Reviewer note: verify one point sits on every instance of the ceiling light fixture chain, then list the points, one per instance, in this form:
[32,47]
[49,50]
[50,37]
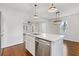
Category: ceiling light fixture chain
[35,15]
[57,15]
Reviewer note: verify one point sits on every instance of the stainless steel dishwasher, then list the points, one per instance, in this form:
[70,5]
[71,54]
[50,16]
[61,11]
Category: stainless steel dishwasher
[42,47]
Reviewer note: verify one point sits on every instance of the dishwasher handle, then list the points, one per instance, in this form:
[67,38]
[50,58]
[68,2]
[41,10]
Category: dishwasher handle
[40,41]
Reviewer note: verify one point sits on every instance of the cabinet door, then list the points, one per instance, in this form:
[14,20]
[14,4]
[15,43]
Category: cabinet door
[27,43]
[32,45]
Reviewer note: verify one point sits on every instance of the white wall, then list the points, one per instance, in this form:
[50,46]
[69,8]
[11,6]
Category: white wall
[72,32]
[13,26]
[49,27]
[52,28]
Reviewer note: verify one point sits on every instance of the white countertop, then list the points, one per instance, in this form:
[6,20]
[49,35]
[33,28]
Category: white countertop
[49,37]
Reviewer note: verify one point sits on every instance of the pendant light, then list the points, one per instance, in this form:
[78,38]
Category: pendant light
[57,21]
[52,8]
[35,15]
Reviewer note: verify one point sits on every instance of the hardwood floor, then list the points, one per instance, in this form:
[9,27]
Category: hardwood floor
[16,50]
[72,48]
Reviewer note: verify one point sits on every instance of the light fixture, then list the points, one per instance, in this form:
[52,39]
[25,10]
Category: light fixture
[35,15]
[52,8]
[57,21]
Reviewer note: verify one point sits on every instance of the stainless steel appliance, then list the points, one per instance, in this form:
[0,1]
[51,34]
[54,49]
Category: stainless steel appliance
[42,47]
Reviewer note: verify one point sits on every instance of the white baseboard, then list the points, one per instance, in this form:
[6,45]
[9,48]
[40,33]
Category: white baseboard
[12,44]
[74,38]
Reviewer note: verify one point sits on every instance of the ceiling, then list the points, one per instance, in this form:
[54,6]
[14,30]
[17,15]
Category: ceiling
[42,8]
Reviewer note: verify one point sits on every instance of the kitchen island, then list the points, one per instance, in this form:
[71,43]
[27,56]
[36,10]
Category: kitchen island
[56,43]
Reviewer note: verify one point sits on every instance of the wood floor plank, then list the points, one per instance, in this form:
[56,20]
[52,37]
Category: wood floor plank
[72,47]
[16,50]
[19,50]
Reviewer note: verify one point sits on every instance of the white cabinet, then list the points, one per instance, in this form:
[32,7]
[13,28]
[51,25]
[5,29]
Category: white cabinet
[27,44]
[57,48]
[56,44]
[30,44]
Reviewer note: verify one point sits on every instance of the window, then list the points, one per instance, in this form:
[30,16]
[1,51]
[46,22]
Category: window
[63,26]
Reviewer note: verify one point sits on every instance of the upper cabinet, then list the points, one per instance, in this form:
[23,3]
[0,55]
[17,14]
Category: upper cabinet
[31,27]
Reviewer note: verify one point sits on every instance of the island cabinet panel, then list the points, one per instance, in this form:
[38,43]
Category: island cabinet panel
[57,48]
[30,44]
[55,45]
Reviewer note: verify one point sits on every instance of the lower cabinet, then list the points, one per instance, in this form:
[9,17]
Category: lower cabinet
[30,44]
[55,48]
